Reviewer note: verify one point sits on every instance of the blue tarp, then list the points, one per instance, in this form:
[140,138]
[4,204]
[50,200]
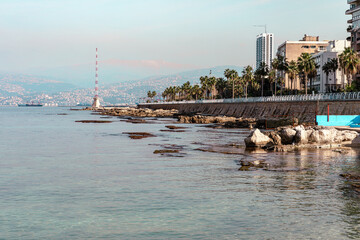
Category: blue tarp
[338,120]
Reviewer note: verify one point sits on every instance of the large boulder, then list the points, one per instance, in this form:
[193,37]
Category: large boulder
[314,136]
[257,139]
[327,135]
[287,136]
[345,136]
[301,137]
[275,137]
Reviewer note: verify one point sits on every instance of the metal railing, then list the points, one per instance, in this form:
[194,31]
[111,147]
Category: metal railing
[288,98]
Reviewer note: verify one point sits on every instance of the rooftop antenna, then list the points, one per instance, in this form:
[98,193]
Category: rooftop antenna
[263,26]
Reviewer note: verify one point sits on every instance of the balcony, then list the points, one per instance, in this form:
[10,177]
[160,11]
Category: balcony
[351,1]
[352,10]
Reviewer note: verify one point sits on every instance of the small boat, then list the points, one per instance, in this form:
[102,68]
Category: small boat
[30,105]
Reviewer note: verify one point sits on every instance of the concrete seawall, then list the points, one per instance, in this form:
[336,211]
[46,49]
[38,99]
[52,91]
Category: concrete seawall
[305,111]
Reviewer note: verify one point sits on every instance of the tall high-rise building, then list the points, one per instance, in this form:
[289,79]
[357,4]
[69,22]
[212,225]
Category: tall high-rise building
[354,28]
[264,49]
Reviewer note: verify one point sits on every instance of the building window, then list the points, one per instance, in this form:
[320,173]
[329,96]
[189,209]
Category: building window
[305,47]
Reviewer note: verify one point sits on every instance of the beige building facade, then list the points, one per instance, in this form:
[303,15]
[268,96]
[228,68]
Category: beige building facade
[292,50]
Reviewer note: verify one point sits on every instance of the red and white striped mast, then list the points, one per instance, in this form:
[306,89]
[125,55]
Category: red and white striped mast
[96,103]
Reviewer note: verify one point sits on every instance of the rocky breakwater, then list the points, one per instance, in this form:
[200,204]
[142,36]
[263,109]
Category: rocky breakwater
[203,119]
[138,112]
[233,122]
[291,138]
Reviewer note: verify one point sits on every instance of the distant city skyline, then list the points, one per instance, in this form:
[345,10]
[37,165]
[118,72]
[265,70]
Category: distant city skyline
[37,35]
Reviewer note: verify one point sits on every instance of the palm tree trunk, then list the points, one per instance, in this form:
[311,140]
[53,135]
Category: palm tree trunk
[306,81]
[288,83]
[327,83]
[262,87]
[233,89]
[246,87]
[275,82]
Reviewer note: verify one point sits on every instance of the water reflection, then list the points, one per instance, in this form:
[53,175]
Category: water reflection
[350,188]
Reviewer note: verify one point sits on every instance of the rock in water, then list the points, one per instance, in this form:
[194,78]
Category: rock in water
[257,139]
[287,136]
[275,137]
[301,135]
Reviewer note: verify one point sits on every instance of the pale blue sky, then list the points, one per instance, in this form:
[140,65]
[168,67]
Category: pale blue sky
[203,33]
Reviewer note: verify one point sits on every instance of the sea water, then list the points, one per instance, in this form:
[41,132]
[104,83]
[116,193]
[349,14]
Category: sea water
[60,179]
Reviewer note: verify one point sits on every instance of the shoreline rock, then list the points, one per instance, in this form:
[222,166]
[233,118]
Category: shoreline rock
[292,138]
[138,112]
[139,135]
[93,121]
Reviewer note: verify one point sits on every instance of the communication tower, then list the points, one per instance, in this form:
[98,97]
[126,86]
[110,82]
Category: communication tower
[96,103]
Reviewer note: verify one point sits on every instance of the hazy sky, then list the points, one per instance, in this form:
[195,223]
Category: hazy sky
[200,33]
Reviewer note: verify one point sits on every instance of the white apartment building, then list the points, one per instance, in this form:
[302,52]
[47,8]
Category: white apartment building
[339,80]
[264,49]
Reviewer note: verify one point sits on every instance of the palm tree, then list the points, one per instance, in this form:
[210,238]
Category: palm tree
[178,91]
[164,94]
[292,72]
[231,75]
[334,65]
[349,62]
[221,85]
[195,91]
[239,88]
[185,88]
[272,78]
[282,67]
[262,72]
[204,84]
[326,69]
[247,77]
[306,64]
[313,75]
[212,83]
[168,93]
[149,94]
[172,93]
[275,65]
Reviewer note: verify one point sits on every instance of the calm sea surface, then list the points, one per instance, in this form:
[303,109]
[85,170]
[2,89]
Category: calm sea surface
[65,180]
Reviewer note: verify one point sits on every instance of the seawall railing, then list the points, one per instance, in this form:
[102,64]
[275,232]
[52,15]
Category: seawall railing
[288,98]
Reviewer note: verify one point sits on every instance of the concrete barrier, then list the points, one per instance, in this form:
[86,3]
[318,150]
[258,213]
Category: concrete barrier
[305,111]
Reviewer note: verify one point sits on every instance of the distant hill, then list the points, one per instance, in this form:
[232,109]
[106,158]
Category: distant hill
[111,71]
[131,91]
[17,88]
[22,84]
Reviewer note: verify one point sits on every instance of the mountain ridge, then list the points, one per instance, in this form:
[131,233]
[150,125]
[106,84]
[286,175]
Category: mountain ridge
[56,92]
